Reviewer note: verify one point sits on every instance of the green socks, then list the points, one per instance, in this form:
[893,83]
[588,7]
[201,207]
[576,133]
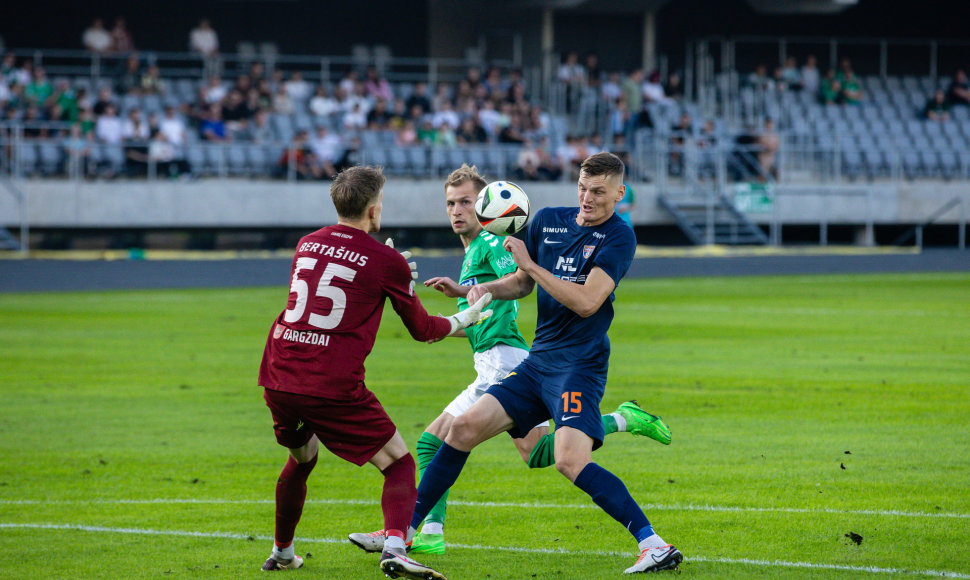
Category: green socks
[427,446]
[543,454]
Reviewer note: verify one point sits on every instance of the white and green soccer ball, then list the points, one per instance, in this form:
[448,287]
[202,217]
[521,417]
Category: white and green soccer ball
[502,208]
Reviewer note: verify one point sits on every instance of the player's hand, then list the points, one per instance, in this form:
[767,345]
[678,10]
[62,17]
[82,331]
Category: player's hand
[406,254]
[471,315]
[475,293]
[447,286]
[517,248]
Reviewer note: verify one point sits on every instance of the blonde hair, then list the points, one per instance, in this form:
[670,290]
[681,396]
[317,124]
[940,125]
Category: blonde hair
[464,174]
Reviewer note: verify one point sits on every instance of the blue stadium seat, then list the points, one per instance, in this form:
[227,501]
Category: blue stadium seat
[397,161]
[28,157]
[50,158]
[236,159]
[418,160]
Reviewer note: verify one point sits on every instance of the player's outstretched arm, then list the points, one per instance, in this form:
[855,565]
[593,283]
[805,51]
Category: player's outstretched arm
[510,287]
[447,286]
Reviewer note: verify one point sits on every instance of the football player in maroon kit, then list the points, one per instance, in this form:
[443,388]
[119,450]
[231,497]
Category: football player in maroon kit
[313,364]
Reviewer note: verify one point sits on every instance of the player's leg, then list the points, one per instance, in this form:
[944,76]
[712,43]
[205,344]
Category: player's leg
[628,417]
[431,538]
[484,420]
[303,447]
[574,454]
[397,502]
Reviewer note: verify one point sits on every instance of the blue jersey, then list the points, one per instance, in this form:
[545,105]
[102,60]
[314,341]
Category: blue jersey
[570,251]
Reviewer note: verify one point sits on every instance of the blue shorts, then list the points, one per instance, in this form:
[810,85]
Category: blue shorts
[570,395]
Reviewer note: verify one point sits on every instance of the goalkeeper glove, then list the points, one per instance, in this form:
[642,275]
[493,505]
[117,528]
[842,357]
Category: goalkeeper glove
[471,315]
[406,254]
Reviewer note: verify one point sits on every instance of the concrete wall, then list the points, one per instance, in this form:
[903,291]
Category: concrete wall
[407,203]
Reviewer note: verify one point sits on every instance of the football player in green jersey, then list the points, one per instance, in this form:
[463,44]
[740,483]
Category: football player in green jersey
[499,347]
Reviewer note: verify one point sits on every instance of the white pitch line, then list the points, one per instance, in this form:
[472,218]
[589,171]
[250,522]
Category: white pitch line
[743,561]
[536,505]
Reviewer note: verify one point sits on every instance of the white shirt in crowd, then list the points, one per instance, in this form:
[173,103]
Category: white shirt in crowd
[110,129]
[174,129]
[97,39]
[204,40]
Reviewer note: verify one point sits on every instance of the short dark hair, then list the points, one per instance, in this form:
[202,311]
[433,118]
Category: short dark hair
[466,173]
[355,188]
[603,163]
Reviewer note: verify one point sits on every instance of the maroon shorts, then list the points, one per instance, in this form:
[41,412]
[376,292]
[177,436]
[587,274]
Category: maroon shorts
[354,427]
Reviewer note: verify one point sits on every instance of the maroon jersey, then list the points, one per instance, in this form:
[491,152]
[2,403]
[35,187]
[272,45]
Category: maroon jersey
[340,278]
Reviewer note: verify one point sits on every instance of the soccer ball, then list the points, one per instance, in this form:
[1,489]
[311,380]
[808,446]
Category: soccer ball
[502,208]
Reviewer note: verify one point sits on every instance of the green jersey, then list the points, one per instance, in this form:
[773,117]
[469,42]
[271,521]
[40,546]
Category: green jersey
[486,260]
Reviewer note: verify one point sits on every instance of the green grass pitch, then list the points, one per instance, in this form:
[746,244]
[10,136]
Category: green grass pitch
[134,442]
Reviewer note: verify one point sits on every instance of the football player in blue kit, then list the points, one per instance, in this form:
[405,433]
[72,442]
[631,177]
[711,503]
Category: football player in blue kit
[577,256]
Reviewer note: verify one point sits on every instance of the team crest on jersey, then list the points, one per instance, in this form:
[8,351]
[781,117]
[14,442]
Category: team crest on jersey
[278,331]
[588,251]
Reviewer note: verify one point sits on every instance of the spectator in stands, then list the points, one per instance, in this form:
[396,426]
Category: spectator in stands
[168,162]
[830,90]
[96,39]
[105,98]
[152,82]
[173,127]
[768,144]
[213,128]
[135,135]
[442,95]
[958,93]
[215,91]
[129,79]
[135,126]
[534,163]
[121,40]
[34,128]
[851,89]
[610,91]
[282,103]
[759,79]
[406,135]
[592,71]
[790,75]
[573,76]
[399,114]
[204,40]
[470,132]
[109,128]
[65,101]
[674,88]
[378,117]
[445,135]
[620,118]
[349,82]
[298,161]
[427,135]
[488,118]
[39,90]
[493,83]
[445,114]
[809,77]
[937,108]
[78,147]
[653,90]
[322,104]
[419,98]
[377,86]
[328,149]
[513,132]
[258,129]
[235,113]
[680,133]
[298,89]
[257,73]
[632,87]
[355,119]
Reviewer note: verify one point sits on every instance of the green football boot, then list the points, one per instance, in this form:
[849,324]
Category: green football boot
[427,544]
[639,422]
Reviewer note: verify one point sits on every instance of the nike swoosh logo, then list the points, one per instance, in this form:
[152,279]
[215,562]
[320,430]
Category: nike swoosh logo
[548,241]
[566,418]
[662,556]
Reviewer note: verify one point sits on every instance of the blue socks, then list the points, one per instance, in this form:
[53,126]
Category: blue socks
[612,496]
[438,477]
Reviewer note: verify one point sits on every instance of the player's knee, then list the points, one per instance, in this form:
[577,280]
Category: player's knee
[463,433]
[569,466]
